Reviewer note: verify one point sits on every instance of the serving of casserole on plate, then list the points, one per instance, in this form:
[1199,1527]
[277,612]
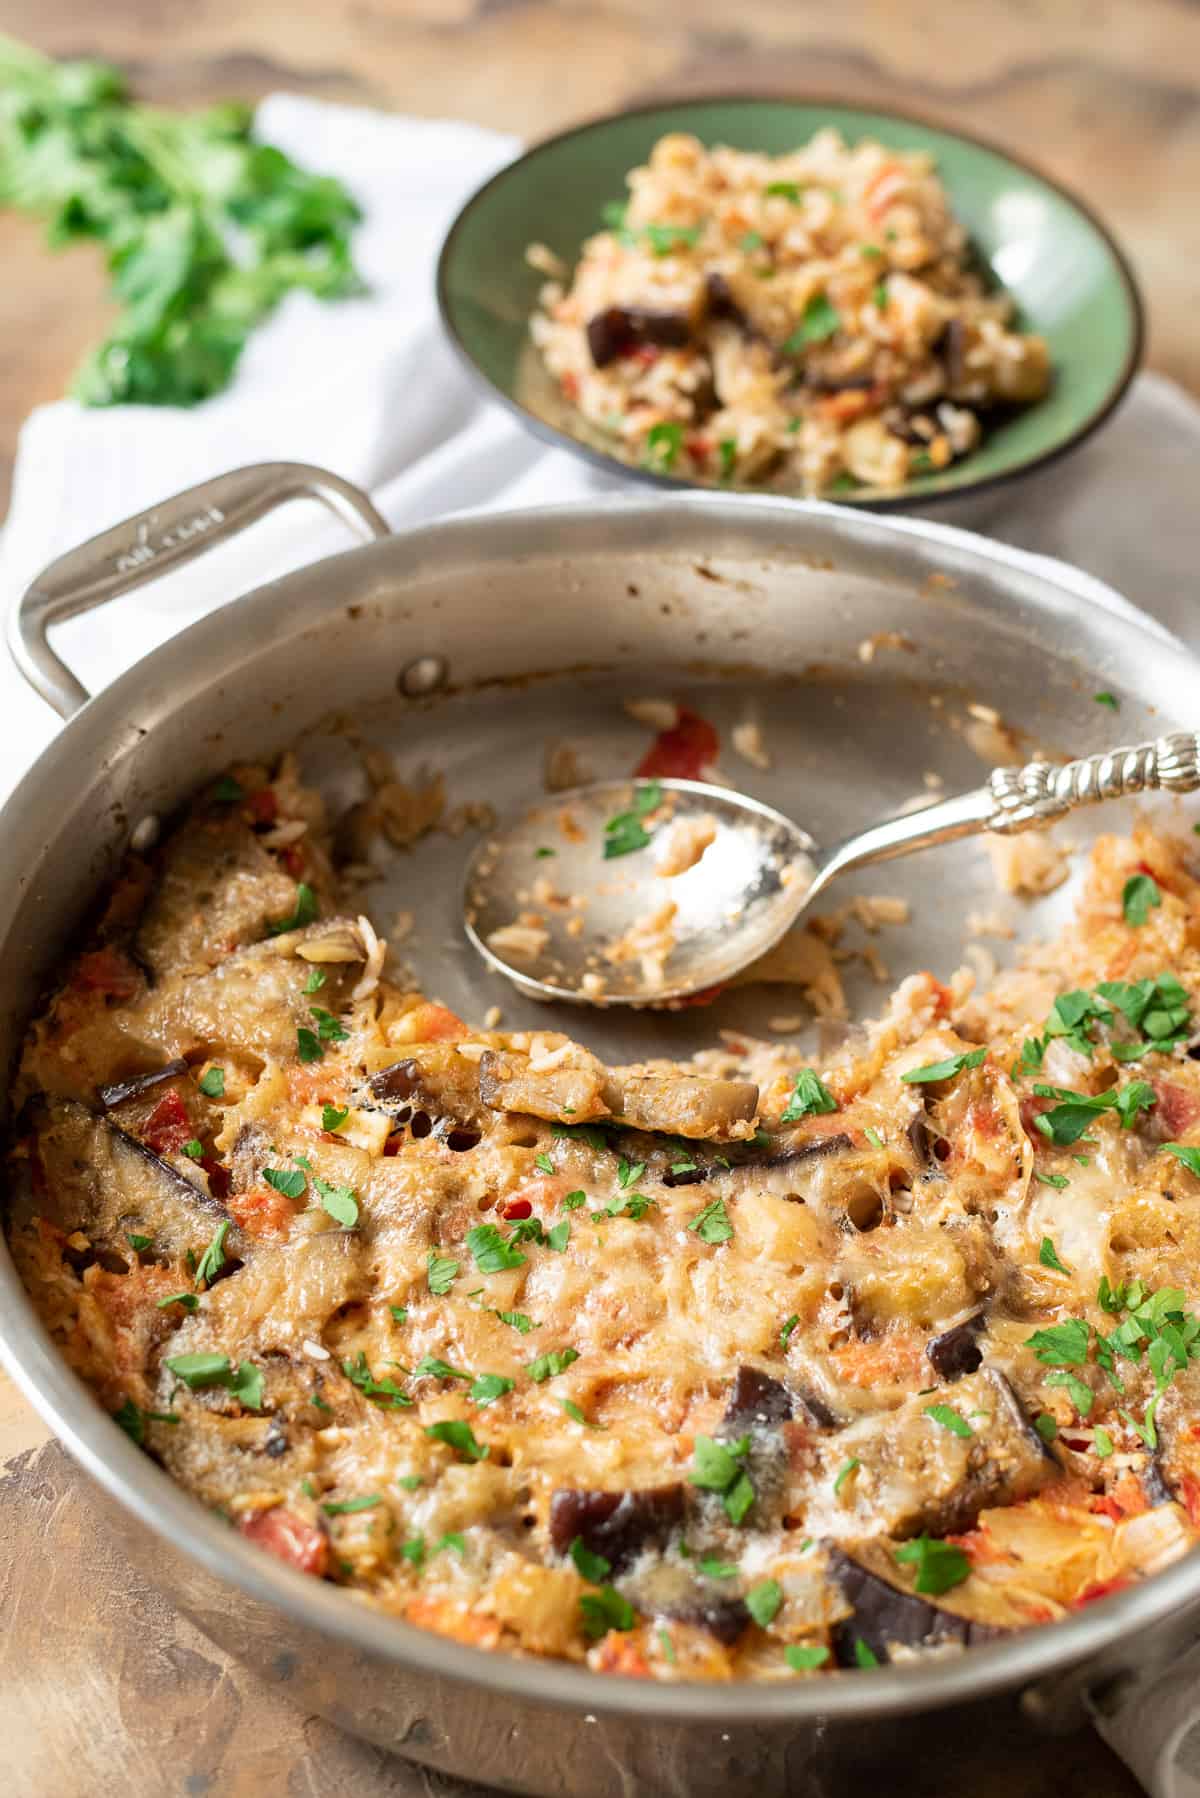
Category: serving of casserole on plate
[751,1367]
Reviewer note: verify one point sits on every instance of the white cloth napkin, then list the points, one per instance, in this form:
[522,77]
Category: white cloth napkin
[370,389]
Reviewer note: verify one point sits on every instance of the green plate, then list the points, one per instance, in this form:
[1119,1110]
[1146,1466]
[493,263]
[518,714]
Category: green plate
[1070,281]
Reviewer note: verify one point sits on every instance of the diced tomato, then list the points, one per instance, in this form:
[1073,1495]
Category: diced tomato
[683,752]
[1189,1492]
[699,448]
[516,1208]
[428,1023]
[703,998]
[261,1211]
[106,971]
[898,1356]
[289,1538]
[619,1653]
[263,805]
[450,1619]
[570,386]
[293,860]
[1099,1589]
[1177,1109]
[168,1127]
[645,353]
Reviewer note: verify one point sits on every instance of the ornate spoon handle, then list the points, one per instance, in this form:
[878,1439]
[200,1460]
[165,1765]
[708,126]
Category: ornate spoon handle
[1029,797]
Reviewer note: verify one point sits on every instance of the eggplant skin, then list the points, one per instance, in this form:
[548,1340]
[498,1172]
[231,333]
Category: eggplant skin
[617,1525]
[756,1401]
[885,1617]
[815,1148]
[133,1088]
[723,1618]
[956,1352]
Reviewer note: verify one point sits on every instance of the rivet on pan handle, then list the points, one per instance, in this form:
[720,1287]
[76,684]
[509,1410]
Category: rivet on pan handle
[164,537]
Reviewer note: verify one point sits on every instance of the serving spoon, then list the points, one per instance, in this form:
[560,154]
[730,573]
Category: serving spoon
[648,892]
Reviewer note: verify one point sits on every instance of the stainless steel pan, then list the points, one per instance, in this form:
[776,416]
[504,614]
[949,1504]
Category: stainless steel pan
[467,645]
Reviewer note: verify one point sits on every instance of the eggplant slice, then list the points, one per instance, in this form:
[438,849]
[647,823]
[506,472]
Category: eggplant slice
[585,1092]
[884,1617]
[617,1525]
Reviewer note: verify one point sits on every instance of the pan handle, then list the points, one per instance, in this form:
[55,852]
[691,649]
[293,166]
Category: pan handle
[165,536]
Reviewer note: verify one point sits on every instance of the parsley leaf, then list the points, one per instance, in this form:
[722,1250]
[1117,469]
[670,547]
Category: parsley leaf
[1048,1256]
[544,1164]
[187,1300]
[492,1254]
[204,1369]
[333,1117]
[810,1097]
[717,1467]
[1045,1426]
[194,1150]
[338,1201]
[1139,896]
[1188,1157]
[592,1567]
[864,1654]
[785,190]
[289,1181]
[712,1225]
[305,911]
[939,1565]
[308,1046]
[437,1369]
[441,1273]
[944,1070]
[818,322]
[604,1610]
[763,1601]
[329,1028]
[950,1419]
[1108,699]
[1081,1393]
[802,1657]
[555,1361]
[844,1472]
[625,832]
[315,981]
[662,239]
[460,1437]
[212,1083]
[385,1393]
[138,1243]
[346,1507]
[213,1258]
[488,1387]
[785,1334]
[228,791]
[1061,1345]
[516,1320]
[133,1421]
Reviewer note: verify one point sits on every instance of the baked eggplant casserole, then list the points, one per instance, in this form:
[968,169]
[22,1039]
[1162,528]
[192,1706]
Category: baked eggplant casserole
[743,1368]
[813,320]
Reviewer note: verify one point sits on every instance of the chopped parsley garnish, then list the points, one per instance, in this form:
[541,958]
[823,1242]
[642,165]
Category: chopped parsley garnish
[413,1551]
[1108,699]
[194,1150]
[555,1361]
[727,450]
[289,1181]
[329,1028]
[623,834]
[818,322]
[399,1313]
[1139,896]
[333,1117]
[228,791]
[879,295]
[1058,1181]
[437,1369]
[338,1201]
[763,1602]
[666,1644]
[784,190]
[492,1254]
[1061,1345]
[662,239]
[1102,1442]
[1080,1392]
[210,1369]
[188,1300]
[573,1411]
[558,1236]
[574,1200]
[212,1083]
[604,1610]
[751,241]
[944,1070]
[1188,1157]
[712,1225]
[315,981]
[1076,1112]
[1048,1256]
[441,1273]
[844,1472]
[544,853]
[1045,1426]
[451,1541]
[544,1164]
[802,1657]
[717,1467]
[133,1421]
[864,1654]
[874,1138]
[385,1393]
[304,912]
[1155,1008]
[951,1420]
[411,1482]
[939,1565]
[663,444]
[486,1388]
[460,1437]
[308,1046]
[785,1335]
[592,1567]
[594,1135]
[810,1097]
[213,1258]
[346,1507]
[712,1568]
[139,1243]
[516,1320]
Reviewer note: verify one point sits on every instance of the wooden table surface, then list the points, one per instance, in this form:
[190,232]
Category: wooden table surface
[102,1689]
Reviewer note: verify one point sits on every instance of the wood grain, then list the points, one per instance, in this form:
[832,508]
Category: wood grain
[102,1688]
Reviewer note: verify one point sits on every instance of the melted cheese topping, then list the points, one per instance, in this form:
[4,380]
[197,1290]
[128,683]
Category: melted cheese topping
[480,1366]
